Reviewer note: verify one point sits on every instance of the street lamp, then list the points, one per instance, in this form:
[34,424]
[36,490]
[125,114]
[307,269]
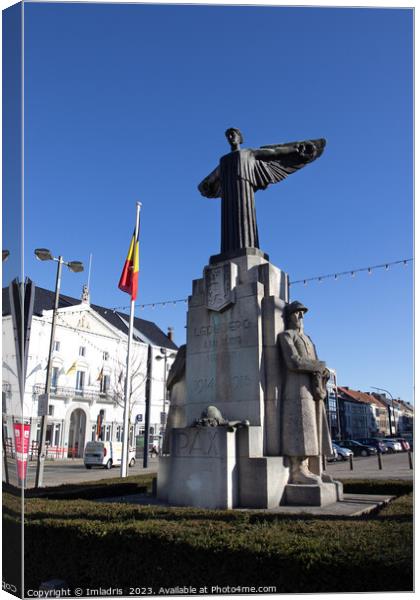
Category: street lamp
[392,405]
[76,267]
[164,357]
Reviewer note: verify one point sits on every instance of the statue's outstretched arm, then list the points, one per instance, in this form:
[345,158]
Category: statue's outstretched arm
[277,152]
[299,151]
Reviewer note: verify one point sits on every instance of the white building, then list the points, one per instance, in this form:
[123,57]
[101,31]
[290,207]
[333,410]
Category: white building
[88,373]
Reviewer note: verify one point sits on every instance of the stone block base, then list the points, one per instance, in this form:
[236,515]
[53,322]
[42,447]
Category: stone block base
[262,481]
[213,467]
[201,470]
[312,495]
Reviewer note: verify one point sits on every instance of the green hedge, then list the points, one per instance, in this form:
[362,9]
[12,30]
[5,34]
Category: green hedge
[393,487]
[292,555]
[103,488]
[91,545]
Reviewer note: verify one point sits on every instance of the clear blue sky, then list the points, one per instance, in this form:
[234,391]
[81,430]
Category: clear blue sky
[130,102]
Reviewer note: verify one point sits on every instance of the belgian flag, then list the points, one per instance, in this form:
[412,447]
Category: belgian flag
[130,273]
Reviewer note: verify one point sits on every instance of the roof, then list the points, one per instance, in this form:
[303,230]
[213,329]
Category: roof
[359,396]
[147,331]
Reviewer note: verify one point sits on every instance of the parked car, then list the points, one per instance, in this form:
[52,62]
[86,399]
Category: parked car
[405,444]
[358,448]
[376,443]
[409,439]
[392,445]
[342,453]
[334,456]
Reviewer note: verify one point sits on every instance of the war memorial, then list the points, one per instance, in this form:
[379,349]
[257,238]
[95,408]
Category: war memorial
[247,425]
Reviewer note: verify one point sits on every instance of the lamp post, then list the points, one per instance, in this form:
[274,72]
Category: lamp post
[164,357]
[392,406]
[76,267]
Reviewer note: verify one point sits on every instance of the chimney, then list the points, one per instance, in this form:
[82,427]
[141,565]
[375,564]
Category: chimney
[85,295]
[171,334]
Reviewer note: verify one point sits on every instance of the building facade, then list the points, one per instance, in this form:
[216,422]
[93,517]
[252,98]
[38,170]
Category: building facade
[332,406]
[88,375]
[383,416]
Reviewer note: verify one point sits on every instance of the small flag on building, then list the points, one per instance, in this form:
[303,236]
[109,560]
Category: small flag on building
[101,375]
[130,273]
[72,369]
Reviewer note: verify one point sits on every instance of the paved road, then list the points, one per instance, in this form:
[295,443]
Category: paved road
[73,471]
[395,466]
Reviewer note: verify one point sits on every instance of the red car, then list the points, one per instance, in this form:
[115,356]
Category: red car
[404,444]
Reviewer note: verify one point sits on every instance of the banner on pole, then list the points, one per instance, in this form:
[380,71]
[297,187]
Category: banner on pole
[22,432]
[43,405]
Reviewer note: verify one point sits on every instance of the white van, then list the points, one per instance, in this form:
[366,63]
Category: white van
[106,454]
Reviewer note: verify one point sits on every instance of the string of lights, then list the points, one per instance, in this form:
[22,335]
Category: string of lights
[305,281]
[353,272]
[335,276]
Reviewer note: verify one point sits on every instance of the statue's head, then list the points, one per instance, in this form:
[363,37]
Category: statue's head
[294,314]
[234,136]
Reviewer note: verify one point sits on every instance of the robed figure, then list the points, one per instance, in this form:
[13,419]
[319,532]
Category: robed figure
[241,173]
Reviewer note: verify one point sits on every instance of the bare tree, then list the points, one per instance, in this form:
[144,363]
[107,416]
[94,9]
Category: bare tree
[138,380]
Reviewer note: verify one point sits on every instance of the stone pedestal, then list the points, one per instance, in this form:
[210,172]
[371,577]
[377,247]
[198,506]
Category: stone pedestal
[235,315]
[312,495]
[215,467]
[202,469]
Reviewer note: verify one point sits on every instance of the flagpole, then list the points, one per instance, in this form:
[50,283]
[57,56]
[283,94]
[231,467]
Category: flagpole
[124,457]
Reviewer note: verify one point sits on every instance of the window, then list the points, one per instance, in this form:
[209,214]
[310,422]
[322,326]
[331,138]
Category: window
[50,410]
[82,350]
[57,346]
[80,380]
[119,433]
[57,434]
[105,355]
[49,434]
[93,437]
[108,433]
[54,377]
[105,382]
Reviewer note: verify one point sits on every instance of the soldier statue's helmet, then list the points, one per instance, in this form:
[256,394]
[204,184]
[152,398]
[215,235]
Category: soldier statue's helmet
[295,306]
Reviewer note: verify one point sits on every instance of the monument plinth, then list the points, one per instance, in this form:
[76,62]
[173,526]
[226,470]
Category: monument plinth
[234,316]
